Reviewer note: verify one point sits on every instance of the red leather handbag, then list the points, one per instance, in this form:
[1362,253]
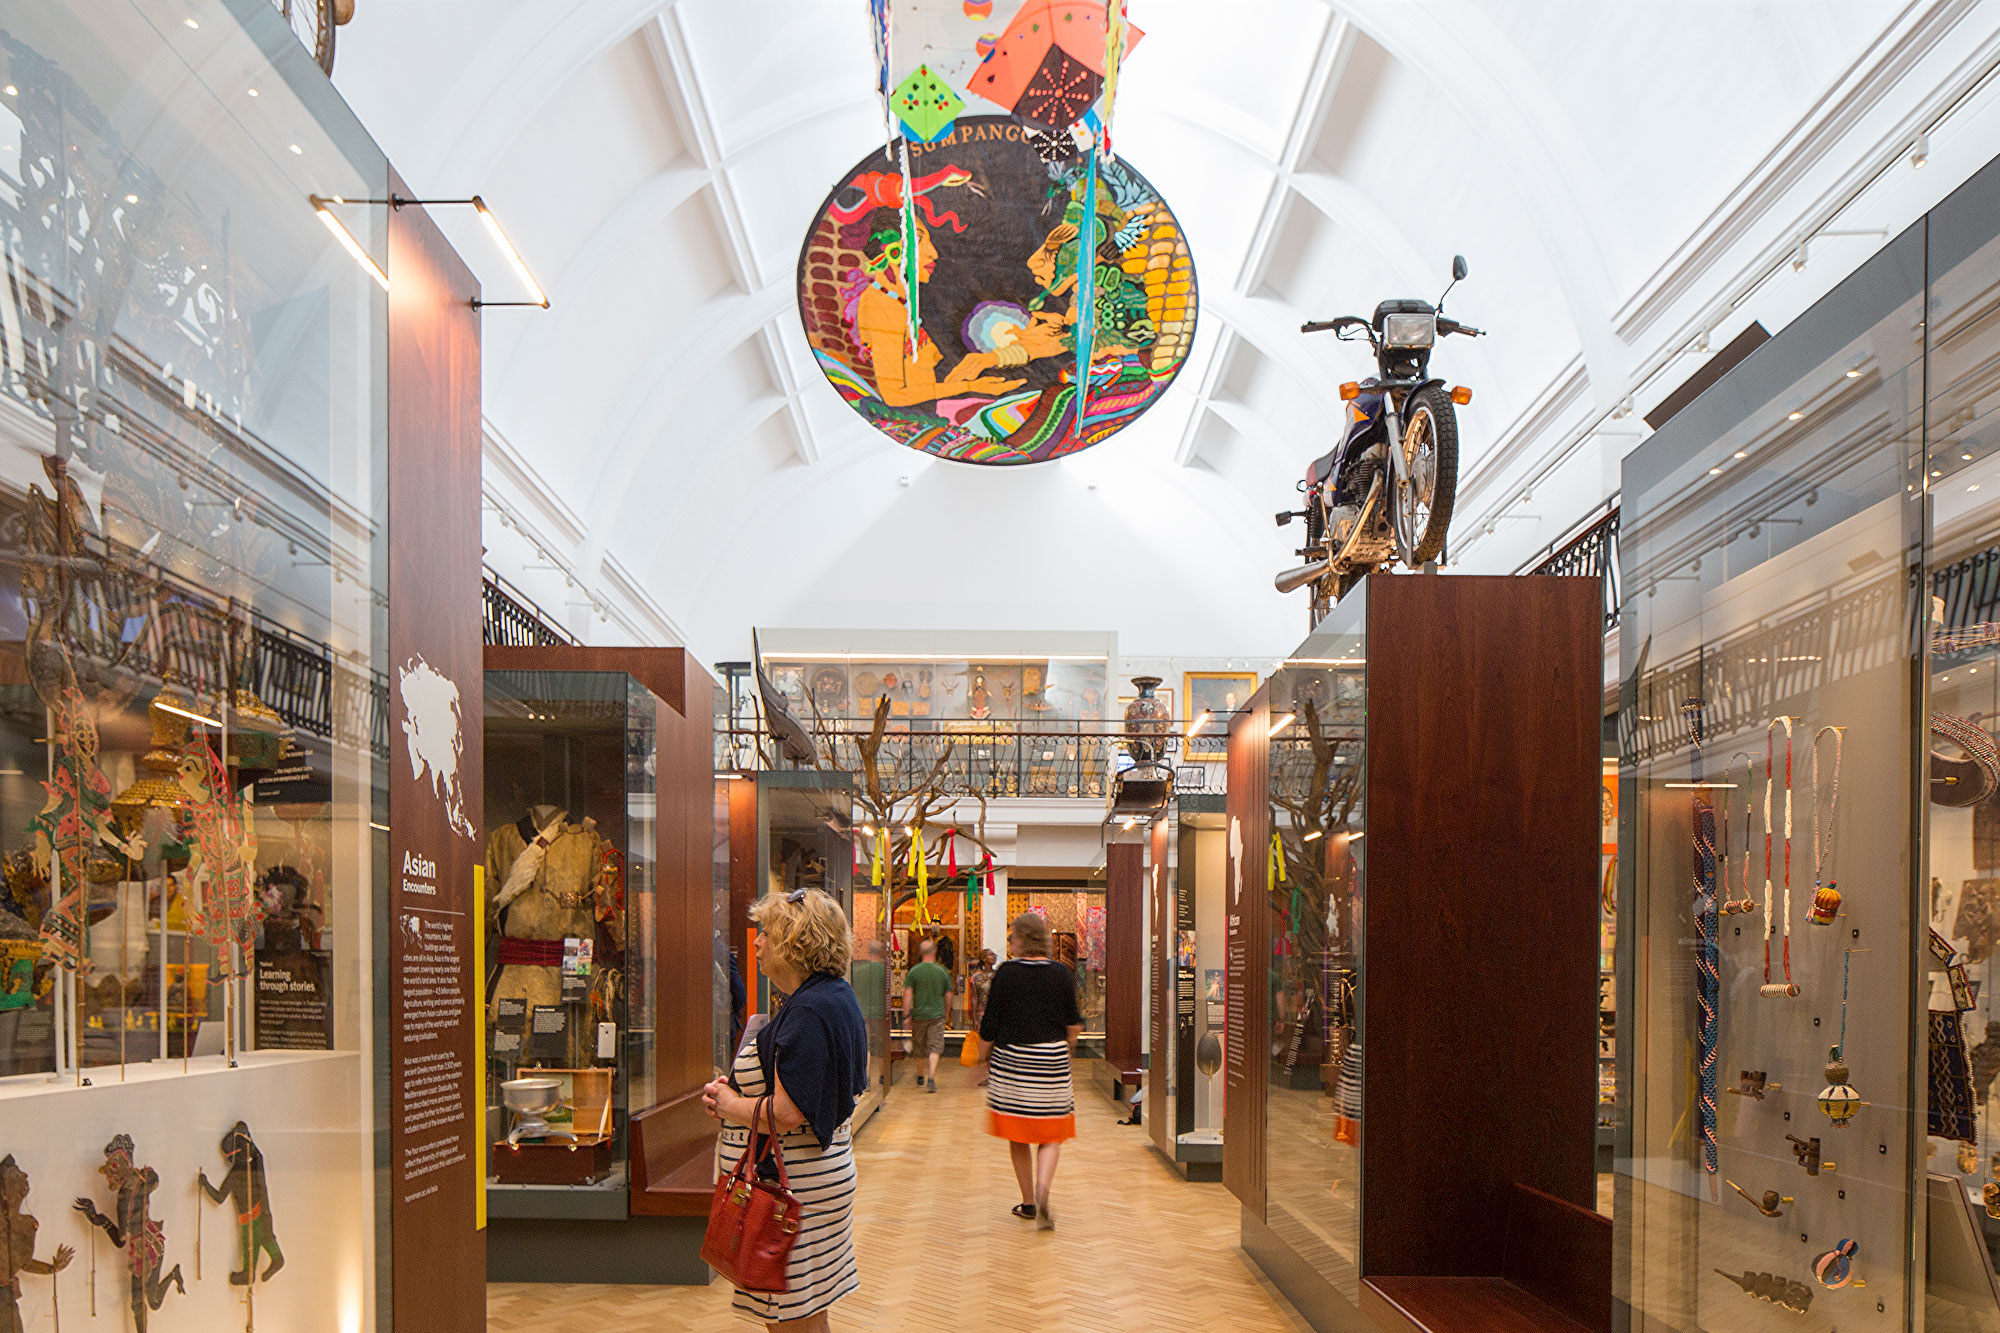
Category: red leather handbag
[753,1223]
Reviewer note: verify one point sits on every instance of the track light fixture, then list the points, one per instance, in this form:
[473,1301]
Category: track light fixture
[1920,151]
[321,203]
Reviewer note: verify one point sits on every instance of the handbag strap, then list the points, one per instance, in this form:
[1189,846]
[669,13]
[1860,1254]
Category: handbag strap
[771,1142]
[752,1151]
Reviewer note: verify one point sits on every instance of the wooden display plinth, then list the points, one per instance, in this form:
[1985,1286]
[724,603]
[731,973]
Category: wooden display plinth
[553,1162]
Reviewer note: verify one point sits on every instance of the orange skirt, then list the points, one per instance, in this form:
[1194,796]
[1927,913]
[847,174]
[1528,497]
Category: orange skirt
[1031,1128]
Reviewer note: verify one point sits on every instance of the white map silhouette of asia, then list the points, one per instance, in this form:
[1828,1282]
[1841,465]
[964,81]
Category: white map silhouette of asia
[432,736]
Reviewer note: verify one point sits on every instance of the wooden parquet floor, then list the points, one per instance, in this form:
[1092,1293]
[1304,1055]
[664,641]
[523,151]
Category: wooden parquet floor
[1135,1246]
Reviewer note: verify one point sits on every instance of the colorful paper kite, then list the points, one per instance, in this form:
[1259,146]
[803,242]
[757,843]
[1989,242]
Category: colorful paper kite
[926,105]
[1055,50]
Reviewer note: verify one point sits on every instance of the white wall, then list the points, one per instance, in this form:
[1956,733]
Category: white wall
[304,1110]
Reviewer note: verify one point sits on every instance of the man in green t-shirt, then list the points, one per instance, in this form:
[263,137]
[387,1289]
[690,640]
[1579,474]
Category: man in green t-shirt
[929,986]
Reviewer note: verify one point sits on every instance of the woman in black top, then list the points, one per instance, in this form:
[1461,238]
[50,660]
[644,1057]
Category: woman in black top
[812,1060]
[1027,1037]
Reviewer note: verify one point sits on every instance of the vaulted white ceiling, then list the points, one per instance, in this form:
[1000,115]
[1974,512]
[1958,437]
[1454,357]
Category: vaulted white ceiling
[663,451]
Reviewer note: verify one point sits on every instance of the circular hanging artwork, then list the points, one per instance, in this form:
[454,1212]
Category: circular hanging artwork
[993,375]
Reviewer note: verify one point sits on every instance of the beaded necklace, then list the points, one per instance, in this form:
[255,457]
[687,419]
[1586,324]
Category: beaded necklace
[1770,989]
[1737,906]
[1826,898]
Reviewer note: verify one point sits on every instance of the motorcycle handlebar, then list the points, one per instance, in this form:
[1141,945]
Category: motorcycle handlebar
[1322,325]
[1453,326]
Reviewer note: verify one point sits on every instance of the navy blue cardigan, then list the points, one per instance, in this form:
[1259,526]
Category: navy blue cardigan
[821,1051]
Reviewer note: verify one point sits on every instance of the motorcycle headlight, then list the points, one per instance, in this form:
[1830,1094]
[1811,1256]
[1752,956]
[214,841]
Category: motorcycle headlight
[1409,330]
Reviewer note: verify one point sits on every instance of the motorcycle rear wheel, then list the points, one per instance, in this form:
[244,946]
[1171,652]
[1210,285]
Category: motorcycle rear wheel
[1428,486]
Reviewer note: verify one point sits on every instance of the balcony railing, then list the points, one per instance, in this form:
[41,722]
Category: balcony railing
[508,619]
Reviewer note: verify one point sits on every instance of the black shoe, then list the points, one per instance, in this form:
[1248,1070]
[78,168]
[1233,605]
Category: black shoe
[1025,1210]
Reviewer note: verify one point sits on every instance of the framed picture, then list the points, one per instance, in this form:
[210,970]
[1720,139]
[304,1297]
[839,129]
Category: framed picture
[1218,693]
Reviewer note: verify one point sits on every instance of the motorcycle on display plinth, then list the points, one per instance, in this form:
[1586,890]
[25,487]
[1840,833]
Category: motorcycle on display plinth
[1385,492]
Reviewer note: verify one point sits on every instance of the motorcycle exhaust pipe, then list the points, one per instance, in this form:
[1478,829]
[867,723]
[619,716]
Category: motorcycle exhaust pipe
[1294,579]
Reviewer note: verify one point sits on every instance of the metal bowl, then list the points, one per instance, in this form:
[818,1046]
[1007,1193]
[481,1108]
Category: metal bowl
[531,1096]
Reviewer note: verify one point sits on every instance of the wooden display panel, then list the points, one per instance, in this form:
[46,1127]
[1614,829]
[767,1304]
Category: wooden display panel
[435,1158]
[1246,1068]
[1480,993]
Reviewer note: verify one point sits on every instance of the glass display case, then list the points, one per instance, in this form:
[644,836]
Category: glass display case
[805,824]
[1311,871]
[572,879]
[1412,874]
[194,716]
[1962,771]
[1769,798]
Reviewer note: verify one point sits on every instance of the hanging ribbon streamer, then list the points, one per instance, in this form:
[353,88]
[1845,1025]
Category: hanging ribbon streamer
[1274,870]
[878,15]
[986,872]
[920,869]
[913,274]
[951,853]
[1114,56]
[881,857]
[1086,283]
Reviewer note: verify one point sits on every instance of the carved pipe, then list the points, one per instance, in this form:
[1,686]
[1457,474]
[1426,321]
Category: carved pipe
[1293,579]
[1778,990]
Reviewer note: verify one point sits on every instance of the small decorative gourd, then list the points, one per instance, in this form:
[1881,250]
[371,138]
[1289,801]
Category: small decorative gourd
[1839,1101]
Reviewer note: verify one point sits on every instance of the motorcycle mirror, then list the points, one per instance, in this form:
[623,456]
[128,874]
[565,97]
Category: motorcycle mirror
[1284,518]
[1458,268]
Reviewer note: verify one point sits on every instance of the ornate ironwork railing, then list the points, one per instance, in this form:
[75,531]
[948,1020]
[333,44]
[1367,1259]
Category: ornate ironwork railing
[510,621]
[1594,553]
[993,759]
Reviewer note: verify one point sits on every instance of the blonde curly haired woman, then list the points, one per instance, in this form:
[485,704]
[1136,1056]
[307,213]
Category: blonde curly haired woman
[812,1060]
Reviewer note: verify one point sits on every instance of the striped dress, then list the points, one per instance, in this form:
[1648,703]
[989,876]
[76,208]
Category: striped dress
[1029,1098]
[822,1268]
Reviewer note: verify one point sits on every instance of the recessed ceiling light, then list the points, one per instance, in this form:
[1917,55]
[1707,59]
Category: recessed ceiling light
[253,92]
[1937,474]
[131,198]
[1741,454]
[12,91]
[1966,457]
[1795,416]
[1715,472]
[1973,487]
[1854,374]
[298,150]
[190,23]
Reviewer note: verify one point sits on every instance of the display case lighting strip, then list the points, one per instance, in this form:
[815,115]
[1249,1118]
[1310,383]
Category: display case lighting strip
[519,265]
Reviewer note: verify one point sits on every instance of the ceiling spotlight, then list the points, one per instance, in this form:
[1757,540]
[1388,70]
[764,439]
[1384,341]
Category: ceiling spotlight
[298,151]
[1742,453]
[12,91]
[252,92]
[1854,374]
[1799,258]
[1701,342]
[131,198]
[1795,416]
[190,23]
[1920,151]
[1966,457]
